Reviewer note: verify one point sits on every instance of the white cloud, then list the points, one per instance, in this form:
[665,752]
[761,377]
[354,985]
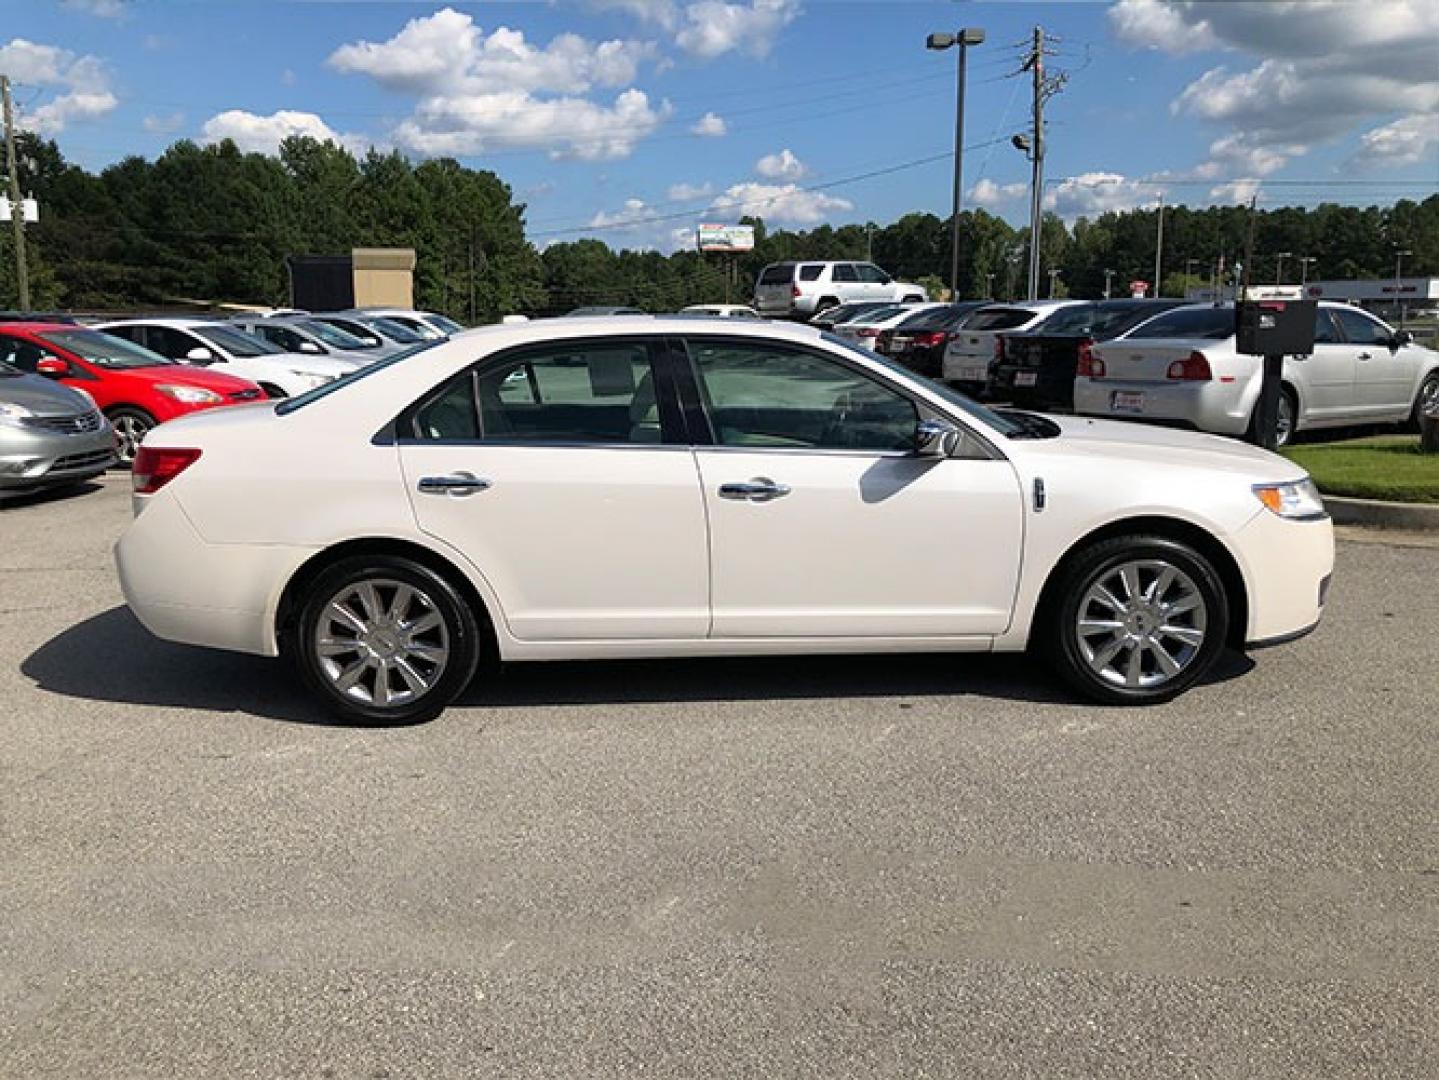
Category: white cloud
[664,13]
[83,83]
[781,166]
[986,193]
[566,127]
[784,204]
[637,224]
[1323,71]
[106,9]
[446,53]
[689,192]
[711,126]
[1404,142]
[1238,192]
[714,27]
[263,134]
[164,123]
[1097,193]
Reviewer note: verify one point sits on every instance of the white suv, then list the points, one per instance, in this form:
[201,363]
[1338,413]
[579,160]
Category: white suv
[803,288]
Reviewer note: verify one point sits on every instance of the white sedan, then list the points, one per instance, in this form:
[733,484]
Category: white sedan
[653,487]
[864,329]
[1183,367]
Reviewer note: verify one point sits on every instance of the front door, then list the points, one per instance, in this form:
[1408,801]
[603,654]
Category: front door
[1384,377]
[559,472]
[823,523]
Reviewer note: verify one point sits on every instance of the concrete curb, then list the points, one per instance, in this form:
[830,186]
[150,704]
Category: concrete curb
[1374,514]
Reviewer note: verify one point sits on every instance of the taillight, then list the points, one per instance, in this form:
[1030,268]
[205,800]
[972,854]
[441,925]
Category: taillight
[998,347]
[155,467]
[1089,364]
[794,291]
[1193,368]
[867,331]
[936,337]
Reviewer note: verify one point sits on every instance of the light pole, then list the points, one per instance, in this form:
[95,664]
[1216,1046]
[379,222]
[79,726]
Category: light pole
[1304,262]
[1054,272]
[970,35]
[1279,257]
[989,285]
[1108,277]
[1398,285]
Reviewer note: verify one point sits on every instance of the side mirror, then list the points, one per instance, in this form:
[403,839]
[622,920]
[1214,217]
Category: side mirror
[1400,339]
[200,355]
[936,439]
[310,347]
[52,367]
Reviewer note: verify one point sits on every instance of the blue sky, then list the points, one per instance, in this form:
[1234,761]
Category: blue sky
[606,115]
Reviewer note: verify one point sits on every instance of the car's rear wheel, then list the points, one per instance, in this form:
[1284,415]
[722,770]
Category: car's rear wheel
[384,640]
[131,426]
[1285,426]
[1138,620]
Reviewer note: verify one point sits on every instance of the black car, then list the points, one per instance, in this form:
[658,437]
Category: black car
[1036,368]
[919,342]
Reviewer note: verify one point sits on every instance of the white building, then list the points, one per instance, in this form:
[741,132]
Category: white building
[1383,296]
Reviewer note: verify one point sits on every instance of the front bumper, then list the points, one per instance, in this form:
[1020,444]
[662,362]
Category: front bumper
[33,459]
[1288,567]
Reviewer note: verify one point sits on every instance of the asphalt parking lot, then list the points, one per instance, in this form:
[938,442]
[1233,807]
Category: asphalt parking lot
[890,867]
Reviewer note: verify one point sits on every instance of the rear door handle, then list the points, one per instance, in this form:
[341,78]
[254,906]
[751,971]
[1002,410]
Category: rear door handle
[457,483]
[758,489]
[1366,356]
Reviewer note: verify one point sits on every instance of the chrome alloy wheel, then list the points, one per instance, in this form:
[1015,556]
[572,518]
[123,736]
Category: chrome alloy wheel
[381,642]
[130,431]
[1284,422]
[1141,624]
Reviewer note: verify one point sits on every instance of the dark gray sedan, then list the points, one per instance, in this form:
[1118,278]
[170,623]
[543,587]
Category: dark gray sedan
[49,434]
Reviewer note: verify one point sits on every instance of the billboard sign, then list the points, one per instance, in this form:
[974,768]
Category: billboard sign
[726,237]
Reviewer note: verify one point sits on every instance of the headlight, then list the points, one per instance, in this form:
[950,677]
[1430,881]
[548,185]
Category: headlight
[191,395]
[313,380]
[13,414]
[1298,499]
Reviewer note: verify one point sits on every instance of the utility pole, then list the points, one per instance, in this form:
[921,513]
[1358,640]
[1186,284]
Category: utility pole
[1054,272]
[1304,261]
[1036,183]
[17,211]
[1108,278]
[1279,257]
[1159,250]
[1398,283]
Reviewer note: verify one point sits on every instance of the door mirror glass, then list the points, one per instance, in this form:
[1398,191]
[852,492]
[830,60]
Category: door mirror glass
[1400,339]
[52,367]
[936,439]
[200,355]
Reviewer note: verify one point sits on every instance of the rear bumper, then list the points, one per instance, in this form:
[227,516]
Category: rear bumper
[1210,406]
[1051,386]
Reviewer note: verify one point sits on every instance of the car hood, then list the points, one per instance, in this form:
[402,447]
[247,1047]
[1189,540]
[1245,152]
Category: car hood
[42,397]
[307,362]
[181,375]
[1119,441]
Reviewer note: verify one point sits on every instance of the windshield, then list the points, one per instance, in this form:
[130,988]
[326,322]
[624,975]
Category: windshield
[944,318]
[332,335]
[104,350]
[236,343]
[1002,424]
[878,315]
[449,326]
[395,331]
[289,405]
[1209,323]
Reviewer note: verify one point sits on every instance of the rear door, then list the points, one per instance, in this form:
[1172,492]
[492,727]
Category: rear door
[1326,376]
[562,473]
[772,293]
[823,522]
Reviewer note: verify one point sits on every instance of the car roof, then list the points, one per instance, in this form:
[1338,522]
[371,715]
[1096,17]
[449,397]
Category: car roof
[180,321]
[37,327]
[647,325]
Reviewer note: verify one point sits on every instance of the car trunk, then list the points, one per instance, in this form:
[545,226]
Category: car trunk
[775,286]
[1146,360]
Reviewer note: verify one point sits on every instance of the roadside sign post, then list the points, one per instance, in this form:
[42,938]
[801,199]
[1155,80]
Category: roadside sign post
[731,240]
[1273,327]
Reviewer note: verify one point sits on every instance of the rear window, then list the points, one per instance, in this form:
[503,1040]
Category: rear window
[1212,323]
[998,319]
[779,274]
[935,319]
[1079,319]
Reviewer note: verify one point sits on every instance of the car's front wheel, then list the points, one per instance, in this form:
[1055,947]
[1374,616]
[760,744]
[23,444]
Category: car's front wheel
[384,640]
[131,426]
[1138,620]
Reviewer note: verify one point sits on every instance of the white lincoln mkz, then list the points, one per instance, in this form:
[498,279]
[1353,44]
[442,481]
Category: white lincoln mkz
[650,487]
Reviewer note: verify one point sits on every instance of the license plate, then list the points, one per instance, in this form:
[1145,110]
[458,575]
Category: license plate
[1026,378]
[973,372]
[1127,401]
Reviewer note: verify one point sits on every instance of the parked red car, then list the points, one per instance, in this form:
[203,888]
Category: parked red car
[136,388]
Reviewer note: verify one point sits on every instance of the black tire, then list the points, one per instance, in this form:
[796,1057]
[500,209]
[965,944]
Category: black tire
[1287,400]
[131,426]
[272,391]
[824,303]
[1428,389]
[912,300]
[460,639]
[1076,658]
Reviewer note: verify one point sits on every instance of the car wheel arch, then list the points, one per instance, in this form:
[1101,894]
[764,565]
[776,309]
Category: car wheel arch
[1195,536]
[287,609]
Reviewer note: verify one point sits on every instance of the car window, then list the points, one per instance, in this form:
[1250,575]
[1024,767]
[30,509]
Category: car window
[1359,328]
[944,318]
[236,343]
[23,355]
[844,272]
[333,335]
[1211,323]
[564,394]
[446,324]
[778,274]
[396,331]
[871,273]
[1078,319]
[762,395]
[1326,331]
[997,319]
[812,272]
[134,334]
[283,336]
[104,350]
[1114,321]
[170,342]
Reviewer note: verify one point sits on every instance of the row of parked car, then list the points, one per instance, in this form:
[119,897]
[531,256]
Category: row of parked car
[1161,361]
[76,398]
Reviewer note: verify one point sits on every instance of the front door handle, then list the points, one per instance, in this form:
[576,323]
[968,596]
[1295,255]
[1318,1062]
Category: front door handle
[457,483]
[1366,356]
[759,489]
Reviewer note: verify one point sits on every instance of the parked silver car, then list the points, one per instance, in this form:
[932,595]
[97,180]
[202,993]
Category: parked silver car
[311,337]
[50,435]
